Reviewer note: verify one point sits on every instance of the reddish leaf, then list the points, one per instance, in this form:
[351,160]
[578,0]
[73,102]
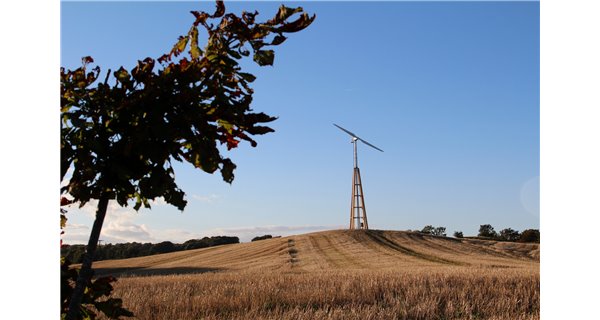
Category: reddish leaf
[87,60]
[200,17]
[231,142]
[298,25]
[220,10]
[64,201]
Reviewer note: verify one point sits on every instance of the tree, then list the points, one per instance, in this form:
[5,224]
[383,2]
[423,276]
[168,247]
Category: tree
[530,235]
[486,230]
[439,231]
[163,247]
[509,234]
[428,229]
[121,136]
[458,234]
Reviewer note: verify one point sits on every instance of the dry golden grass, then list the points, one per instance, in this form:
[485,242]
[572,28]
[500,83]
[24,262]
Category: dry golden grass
[336,275]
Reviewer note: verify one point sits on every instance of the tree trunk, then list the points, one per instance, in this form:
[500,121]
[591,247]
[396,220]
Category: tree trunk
[85,274]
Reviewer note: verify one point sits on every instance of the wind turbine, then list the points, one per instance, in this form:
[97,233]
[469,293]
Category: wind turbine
[358,210]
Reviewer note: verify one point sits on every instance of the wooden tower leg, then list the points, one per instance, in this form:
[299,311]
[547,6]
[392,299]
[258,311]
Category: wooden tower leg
[358,211]
[365,223]
[353,201]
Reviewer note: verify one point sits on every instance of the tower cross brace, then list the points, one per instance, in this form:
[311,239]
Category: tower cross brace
[358,210]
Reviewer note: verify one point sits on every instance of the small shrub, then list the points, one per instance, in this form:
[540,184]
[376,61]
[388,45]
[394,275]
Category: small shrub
[266,236]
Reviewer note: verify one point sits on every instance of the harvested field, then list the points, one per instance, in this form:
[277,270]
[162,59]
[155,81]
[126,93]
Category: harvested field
[336,275]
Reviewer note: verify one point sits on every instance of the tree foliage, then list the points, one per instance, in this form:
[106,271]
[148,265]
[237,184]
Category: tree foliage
[439,231]
[428,229]
[458,234]
[97,295]
[486,230]
[121,134]
[509,234]
[435,231]
[530,235]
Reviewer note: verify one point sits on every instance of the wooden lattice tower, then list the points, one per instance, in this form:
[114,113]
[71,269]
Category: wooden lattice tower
[358,210]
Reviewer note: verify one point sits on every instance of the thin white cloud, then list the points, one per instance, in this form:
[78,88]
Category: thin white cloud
[120,226]
[211,198]
[76,233]
[125,231]
[91,206]
[247,233]
[175,235]
[160,201]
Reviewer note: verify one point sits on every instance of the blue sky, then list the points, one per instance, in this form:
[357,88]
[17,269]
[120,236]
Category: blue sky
[450,91]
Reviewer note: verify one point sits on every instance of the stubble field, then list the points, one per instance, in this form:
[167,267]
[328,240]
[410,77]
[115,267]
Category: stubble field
[336,275]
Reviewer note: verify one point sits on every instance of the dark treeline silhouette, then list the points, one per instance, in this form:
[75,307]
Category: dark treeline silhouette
[74,253]
[508,234]
[486,231]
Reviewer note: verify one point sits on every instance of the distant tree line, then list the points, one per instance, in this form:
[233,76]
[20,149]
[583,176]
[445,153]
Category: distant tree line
[74,253]
[487,231]
[508,234]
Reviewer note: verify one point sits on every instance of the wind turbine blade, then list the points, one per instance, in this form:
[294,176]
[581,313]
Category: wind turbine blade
[370,145]
[346,131]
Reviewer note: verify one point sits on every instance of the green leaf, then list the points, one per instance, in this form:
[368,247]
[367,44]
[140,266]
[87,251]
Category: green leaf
[259,130]
[234,54]
[180,45]
[284,13]
[175,197]
[63,221]
[122,75]
[247,76]
[227,170]
[225,124]
[278,40]
[298,25]
[264,57]
[195,51]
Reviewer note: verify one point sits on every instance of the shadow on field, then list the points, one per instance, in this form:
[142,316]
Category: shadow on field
[152,271]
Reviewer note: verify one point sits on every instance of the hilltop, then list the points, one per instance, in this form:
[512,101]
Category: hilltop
[335,250]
